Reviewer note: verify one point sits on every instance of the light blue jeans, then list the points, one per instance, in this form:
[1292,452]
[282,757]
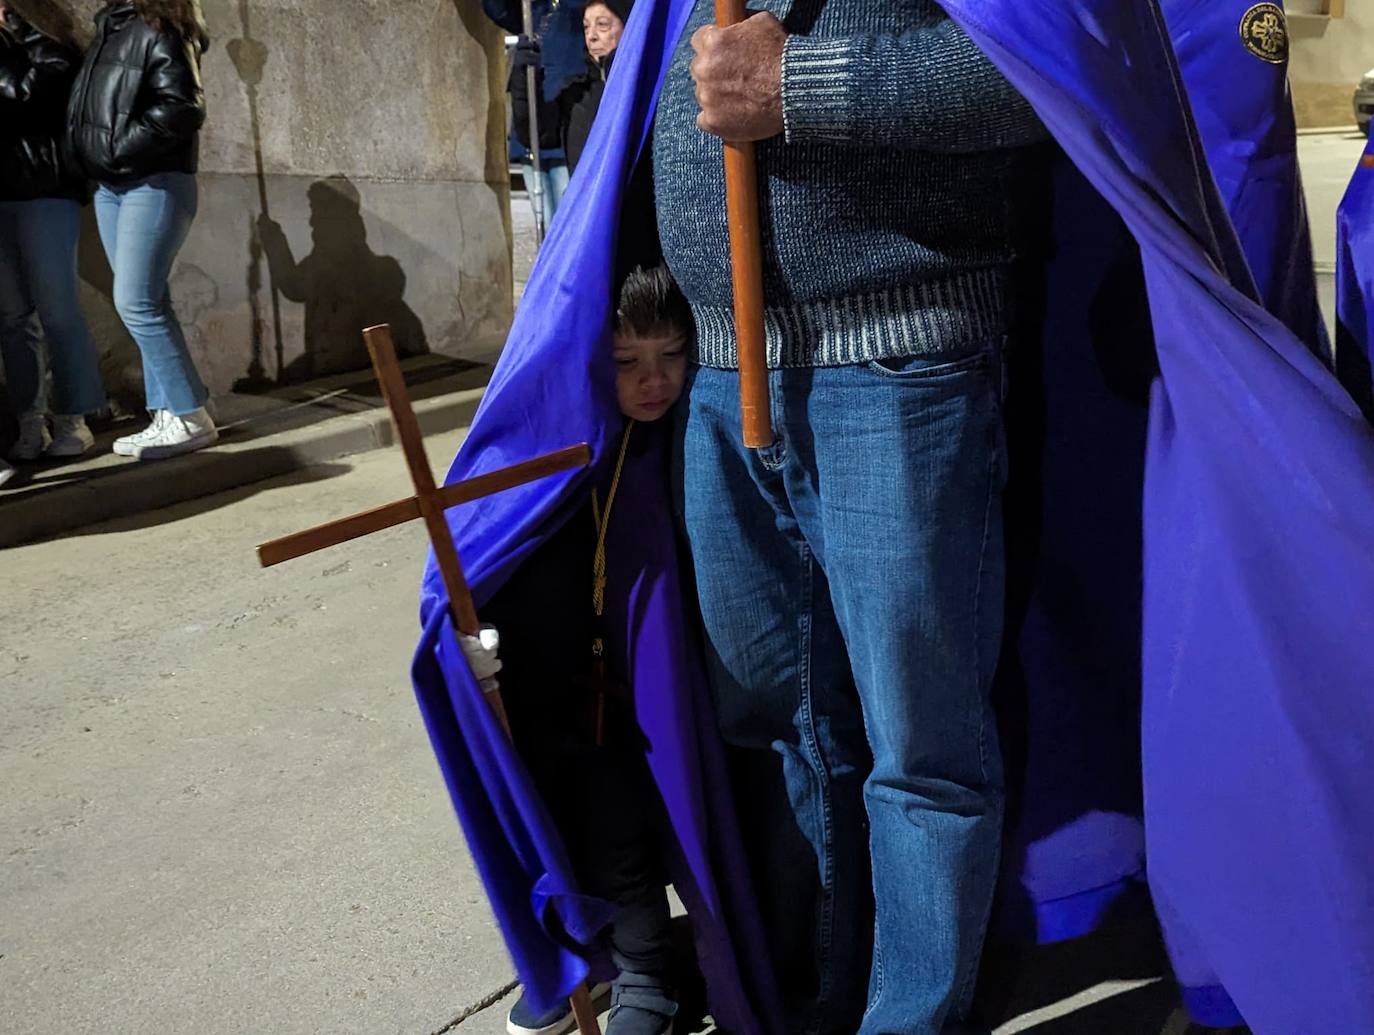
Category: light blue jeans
[142,226]
[555,182]
[851,584]
[39,300]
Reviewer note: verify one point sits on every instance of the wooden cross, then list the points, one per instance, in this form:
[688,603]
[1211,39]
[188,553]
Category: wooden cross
[429,503]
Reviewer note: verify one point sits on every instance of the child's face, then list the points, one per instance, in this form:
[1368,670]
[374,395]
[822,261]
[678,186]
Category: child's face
[649,373]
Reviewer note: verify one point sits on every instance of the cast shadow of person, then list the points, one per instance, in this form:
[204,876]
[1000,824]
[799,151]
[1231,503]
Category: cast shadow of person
[343,284]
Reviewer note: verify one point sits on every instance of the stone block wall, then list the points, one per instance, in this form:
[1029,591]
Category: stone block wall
[1328,57]
[353,172]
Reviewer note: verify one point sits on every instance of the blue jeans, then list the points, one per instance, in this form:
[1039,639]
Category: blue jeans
[142,226]
[851,584]
[555,181]
[39,300]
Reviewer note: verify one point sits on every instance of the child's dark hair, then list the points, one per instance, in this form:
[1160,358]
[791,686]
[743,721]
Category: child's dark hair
[649,303]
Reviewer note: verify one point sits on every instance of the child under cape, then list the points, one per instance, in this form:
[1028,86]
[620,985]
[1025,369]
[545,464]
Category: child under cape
[564,675]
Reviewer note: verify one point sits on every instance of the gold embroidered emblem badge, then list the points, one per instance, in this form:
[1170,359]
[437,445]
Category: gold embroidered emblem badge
[1264,31]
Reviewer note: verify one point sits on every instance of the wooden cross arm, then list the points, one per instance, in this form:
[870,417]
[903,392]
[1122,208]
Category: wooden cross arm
[332,533]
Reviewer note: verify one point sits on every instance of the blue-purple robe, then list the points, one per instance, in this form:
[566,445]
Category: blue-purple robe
[1233,55]
[1243,620]
[1257,596]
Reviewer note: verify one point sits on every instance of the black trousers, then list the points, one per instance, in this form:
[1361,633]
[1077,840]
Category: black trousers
[609,813]
[601,796]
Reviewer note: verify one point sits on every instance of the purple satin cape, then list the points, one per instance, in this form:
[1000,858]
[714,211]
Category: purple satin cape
[1257,601]
[554,388]
[1244,113]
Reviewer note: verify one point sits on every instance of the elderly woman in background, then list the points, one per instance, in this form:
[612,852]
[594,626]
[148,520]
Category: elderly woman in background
[603,22]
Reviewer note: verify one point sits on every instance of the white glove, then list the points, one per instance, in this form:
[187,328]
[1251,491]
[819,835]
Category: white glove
[482,652]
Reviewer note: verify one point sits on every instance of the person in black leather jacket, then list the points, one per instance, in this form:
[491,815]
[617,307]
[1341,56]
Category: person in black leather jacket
[40,215]
[134,121]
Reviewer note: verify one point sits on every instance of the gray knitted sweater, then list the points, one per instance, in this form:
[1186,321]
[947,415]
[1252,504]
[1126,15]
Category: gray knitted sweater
[886,216]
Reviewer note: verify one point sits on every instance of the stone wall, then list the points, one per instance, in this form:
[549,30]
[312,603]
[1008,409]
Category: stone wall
[1327,59]
[353,172]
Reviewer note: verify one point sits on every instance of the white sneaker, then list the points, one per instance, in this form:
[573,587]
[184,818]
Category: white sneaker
[128,445]
[33,437]
[70,436]
[179,434]
[6,472]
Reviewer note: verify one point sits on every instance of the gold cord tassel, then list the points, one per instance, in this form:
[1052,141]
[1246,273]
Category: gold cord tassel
[603,522]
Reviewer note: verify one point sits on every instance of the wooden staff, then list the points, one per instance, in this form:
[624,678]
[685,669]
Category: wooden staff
[746,262]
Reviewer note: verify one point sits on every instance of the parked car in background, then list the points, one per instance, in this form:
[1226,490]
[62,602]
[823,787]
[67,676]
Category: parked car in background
[1364,102]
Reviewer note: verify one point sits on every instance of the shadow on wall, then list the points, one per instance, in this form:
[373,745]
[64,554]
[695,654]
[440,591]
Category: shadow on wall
[343,284]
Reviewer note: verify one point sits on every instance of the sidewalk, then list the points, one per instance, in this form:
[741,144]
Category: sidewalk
[262,436]
[1328,159]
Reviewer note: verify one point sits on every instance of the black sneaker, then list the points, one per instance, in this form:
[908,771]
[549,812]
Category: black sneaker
[523,1020]
[641,1004]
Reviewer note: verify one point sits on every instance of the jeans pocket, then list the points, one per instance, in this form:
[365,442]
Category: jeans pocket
[934,366]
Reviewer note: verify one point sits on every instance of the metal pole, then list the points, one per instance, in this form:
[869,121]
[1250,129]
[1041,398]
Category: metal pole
[249,57]
[536,189]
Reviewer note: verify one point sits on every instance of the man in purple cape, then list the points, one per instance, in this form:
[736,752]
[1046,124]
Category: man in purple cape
[1258,511]
[1079,450]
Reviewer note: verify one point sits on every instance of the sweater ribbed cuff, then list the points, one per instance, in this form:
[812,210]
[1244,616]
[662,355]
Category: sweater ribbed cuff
[816,102]
[919,319]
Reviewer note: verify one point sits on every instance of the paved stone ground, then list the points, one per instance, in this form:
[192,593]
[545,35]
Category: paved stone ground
[222,815]
[526,248]
[261,436]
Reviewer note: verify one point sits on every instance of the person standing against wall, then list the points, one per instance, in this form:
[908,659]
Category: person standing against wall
[41,195]
[602,25]
[555,53]
[135,118]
